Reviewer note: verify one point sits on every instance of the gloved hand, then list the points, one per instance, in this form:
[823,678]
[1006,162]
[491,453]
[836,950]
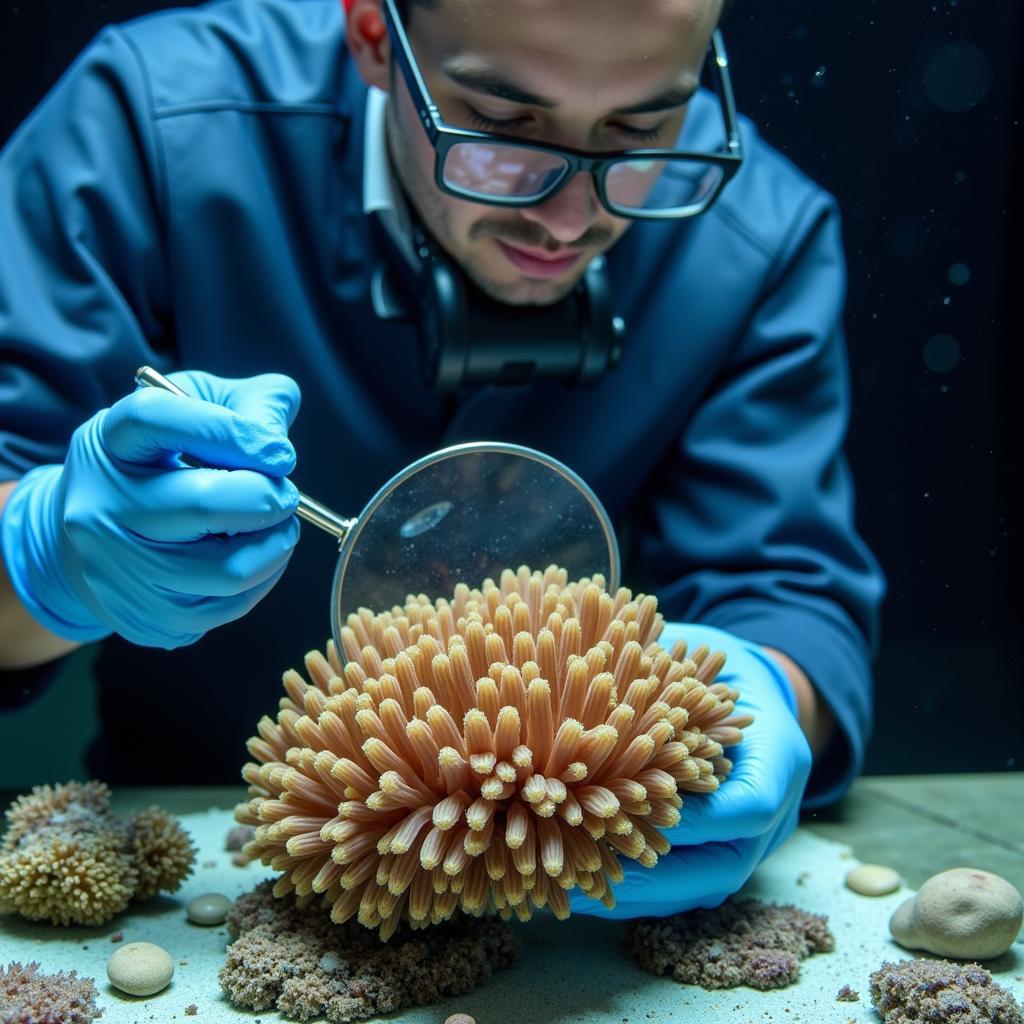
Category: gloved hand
[724,835]
[125,538]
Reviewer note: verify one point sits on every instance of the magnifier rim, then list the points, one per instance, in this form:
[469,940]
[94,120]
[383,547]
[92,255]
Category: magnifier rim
[442,455]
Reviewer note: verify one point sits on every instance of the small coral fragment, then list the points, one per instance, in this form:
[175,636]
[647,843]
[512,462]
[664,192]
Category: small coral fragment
[161,851]
[27,996]
[745,942]
[940,992]
[488,753]
[66,858]
[297,961]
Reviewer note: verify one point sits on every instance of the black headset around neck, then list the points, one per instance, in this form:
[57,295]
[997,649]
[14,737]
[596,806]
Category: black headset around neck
[468,338]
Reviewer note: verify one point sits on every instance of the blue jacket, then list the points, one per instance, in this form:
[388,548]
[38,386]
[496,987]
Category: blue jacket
[190,195]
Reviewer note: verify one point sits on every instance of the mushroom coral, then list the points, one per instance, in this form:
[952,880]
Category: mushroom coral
[66,858]
[27,996]
[490,752]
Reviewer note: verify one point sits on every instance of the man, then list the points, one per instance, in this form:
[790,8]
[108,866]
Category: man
[218,191]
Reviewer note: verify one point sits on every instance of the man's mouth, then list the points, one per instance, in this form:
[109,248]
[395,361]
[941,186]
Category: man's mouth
[538,262]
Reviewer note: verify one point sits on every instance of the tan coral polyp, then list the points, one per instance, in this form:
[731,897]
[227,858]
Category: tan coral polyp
[490,752]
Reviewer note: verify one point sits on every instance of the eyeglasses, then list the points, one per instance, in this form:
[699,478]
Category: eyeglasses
[502,170]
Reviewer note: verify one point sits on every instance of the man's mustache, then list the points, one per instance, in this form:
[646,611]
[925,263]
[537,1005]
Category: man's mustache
[525,232]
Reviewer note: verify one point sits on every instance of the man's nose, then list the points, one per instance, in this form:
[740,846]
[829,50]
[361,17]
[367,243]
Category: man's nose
[569,212]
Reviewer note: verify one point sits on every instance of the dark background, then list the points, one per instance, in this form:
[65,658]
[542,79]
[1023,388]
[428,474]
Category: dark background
[911,114]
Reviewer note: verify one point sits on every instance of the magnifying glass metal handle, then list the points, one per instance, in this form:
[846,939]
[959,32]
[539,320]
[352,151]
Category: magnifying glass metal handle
[309,509]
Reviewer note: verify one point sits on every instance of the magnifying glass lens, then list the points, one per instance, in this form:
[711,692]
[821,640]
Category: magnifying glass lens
[464,515]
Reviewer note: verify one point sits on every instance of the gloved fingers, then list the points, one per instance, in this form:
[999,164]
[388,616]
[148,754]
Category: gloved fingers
[580,903]
[270,398]
[147,425]
[770,769]
[187,574]
[202,614]
[233,566]
[682,878]
[716,639]
[736,810]
[690,871]
[183,624]
[188,504]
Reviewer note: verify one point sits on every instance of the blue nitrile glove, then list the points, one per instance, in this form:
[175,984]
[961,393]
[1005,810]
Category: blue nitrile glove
[124,538]
[724,835]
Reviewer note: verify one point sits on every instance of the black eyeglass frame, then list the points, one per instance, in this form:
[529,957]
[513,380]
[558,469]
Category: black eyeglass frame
[444,136]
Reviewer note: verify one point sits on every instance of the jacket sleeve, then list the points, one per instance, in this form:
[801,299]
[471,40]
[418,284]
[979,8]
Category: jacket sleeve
[753,527]
[82,279]
[82,284]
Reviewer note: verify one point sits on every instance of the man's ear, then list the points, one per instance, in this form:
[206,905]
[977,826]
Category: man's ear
[368,42]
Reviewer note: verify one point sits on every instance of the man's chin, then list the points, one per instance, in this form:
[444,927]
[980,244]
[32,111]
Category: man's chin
[524,291]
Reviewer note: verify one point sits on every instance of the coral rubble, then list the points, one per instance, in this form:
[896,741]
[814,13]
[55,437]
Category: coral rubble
[27,996]
[66,858]
[939,992]
[491,752]
[742,942]
[297,961]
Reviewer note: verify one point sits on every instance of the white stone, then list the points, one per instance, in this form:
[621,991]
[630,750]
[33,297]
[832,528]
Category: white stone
[140,969]
[964,913]
[210,908]
[873,880]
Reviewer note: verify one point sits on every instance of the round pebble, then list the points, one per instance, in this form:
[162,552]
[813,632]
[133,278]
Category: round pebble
[963,913]
[873,880]
[459,1018]
[140,969]
[210,908]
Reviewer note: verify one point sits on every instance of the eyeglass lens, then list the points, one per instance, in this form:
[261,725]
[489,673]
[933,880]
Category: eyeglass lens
[487,171]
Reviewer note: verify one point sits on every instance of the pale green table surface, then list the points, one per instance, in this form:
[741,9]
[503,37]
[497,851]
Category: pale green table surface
[575,972]
[918,824]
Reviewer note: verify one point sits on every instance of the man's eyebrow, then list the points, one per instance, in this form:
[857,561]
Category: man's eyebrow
[492,84]
[482,80]
[677,96]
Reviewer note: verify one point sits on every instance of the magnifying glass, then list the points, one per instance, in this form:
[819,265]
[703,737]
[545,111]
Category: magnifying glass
[460,514]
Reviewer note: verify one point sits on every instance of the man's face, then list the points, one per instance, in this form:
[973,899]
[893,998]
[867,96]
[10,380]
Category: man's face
[593,75]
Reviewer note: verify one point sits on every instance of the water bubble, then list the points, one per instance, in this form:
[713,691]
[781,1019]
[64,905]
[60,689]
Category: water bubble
[941,353]
[958,274]
[957,76]
[819,77]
